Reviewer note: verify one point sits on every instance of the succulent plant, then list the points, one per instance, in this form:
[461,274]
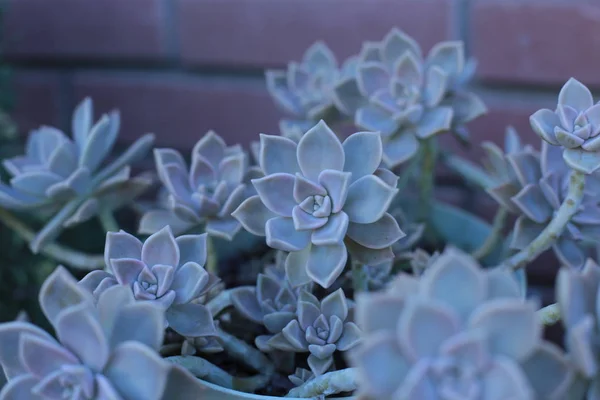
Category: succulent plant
[404,97]
[574,126]
[576,295]
[321,328]
[164,270]
[305,89]
[533,185]
[207,194]
[103,351]
[320,199]
[423,339]
[272,302]
[56,169]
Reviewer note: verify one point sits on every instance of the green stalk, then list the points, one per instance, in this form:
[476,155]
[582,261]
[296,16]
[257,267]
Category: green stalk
[496,234]
[108,221]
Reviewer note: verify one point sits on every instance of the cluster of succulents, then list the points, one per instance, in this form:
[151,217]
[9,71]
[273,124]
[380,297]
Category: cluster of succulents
[164,270]
[95,343]
[55,170]
[353,290]
[424,340]
[533,184]
[206,193]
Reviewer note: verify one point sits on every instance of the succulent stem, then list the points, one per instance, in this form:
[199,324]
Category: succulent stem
[64,255]
[219,303]
[203,369]
[211,259]
[555,228]
[330,383]
[427,177]
[245,353]
[359,277]
[53,228]
[549,315]
[496,233]
[108,221]
[407,173]
[469,171]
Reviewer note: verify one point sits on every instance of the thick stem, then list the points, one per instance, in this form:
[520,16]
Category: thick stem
[55,225]
[220,303]
[407,173]
[64,255]
[549,315]
[211,259]
[334,382]
[203,369]
[427,177]
[555,228]
[359,277]
[495,234]
[108,221]
[245,353]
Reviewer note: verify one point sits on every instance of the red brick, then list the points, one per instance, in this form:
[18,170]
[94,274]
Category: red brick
[37,96]
[179,110]
[83,29]
[537,41]
[261,33]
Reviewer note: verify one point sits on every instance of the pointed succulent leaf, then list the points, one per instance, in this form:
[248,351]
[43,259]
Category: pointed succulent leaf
[378,235]
[81,123]
[253,215]
[372,77]
[363,209]
[512,327]
[100,141]
[318,150]
[576,95]
[326,263]
[277,192]
[60,291]
[363,152]
[277,154]
[543,123]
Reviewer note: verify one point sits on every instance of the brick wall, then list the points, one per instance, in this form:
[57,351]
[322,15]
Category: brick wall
[180,67]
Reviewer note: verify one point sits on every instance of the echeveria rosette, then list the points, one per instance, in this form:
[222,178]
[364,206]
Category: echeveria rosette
[321,328]
[533,185]
[272,303]
[424,339]
[56,169]
[320,199]
[164,270]
[102,351]
[206,193]
[574,126]
[304,89]
[406,98]
[577,299]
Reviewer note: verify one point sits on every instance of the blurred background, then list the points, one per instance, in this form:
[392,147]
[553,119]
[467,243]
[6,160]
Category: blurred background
[178,68]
